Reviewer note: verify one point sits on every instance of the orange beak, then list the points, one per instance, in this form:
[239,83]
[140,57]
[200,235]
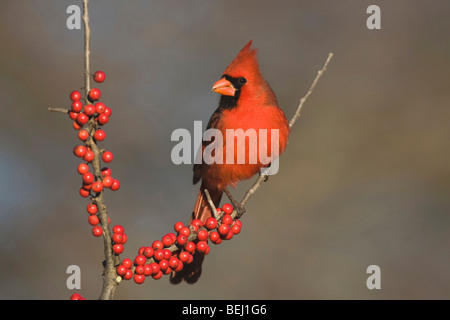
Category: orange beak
[224,87]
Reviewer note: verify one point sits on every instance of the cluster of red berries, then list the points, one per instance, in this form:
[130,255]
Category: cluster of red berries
[174,250]
[94,116]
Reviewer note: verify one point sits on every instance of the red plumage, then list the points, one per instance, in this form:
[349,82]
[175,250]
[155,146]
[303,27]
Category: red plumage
[247,102]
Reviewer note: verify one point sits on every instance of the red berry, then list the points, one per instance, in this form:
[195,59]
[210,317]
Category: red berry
[227,219]
[97,231]
[127,263]
[118,229]
[100,107]
[202,235]
[121,270]
[139,260]
[190,247]
[83,135]
[139,269]
[139,278]
[107,181]
[184,256]
[211,223]
[167,254]
[201,246]
[229,235]
[227,208]
[89,156]
[155,268]
[82,119]
[99,76]
[164,264]
[73,115]
[179,267]
[88,178]
[75,95]
[124,238]
[76,296]
[214,236]
[128,275]
[157,244]
[117,237]
[219,211]
[82,168]
[89,109]
[76,126]
[97,186]
[178,226]
[148,252]
[93,220]
[107,156]
[158,275]
[238,222]
[197,223]
[174,262]
[236,228]
[158,255]
[94,94]
[103,119]
[107,112]
[106,172]
[115,185]
[167,240]
[76,106]
[185,231]
[182,239]
[224,229]
[118,248]
[99,135]
[84,193]
[79,151]
[147,270]
[173,236]
[92,208]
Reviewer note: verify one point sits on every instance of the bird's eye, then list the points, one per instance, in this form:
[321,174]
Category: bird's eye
[242,80]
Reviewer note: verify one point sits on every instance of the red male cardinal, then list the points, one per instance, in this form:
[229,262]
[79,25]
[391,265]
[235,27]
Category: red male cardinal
[247,102]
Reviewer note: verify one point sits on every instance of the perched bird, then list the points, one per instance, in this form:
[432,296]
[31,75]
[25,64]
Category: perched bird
[247,102]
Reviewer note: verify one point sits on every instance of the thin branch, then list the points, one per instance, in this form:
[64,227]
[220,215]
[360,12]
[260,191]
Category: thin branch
[211,204]
[263,176]
[61,110]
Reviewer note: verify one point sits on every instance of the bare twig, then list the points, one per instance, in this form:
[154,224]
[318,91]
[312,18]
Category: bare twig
[263,176]
[61,110]
[211,204]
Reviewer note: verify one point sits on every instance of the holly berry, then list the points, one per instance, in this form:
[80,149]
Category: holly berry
[115,185]
[155,268]
[139,278]
[202,235]
[227,208]
[127,263]
[103,119]
[94,94]
[107,156]
[82,168]
[88,178]
[148,252]
[236,228]
[73,115]
[185,231]
[211,223]
[82,119]
[107,181]
[79,151]
[147,270]
[117,237]
[139,269]
[167,240]
[100,107]
[197,223]
[92,208]
[75,125]
[201,247]
[163,265]
[89,156]
[118,229]
[76,106]
[97,186]
[158,275]
[167,254]
[158,255]
[89,109]
[184,256]
[121,270]
[83,135]
[118,248]
[174,262]
[107,112]
[182,239]
[128,275]
[99,135]
[75,95]
[84,193]
[190,247]
[178,226]
[106,172]
[93,220]
[224,229]
[140,259]
[157,244]
[227,219]
[97,231]
[76,296]
[214,237]
[99,76]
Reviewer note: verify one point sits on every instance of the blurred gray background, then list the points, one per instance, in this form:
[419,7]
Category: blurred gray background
[365,178]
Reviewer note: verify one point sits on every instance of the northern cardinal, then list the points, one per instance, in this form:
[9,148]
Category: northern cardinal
[247,102]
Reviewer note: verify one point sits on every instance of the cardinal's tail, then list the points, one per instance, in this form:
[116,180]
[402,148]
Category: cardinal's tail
[202,210]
